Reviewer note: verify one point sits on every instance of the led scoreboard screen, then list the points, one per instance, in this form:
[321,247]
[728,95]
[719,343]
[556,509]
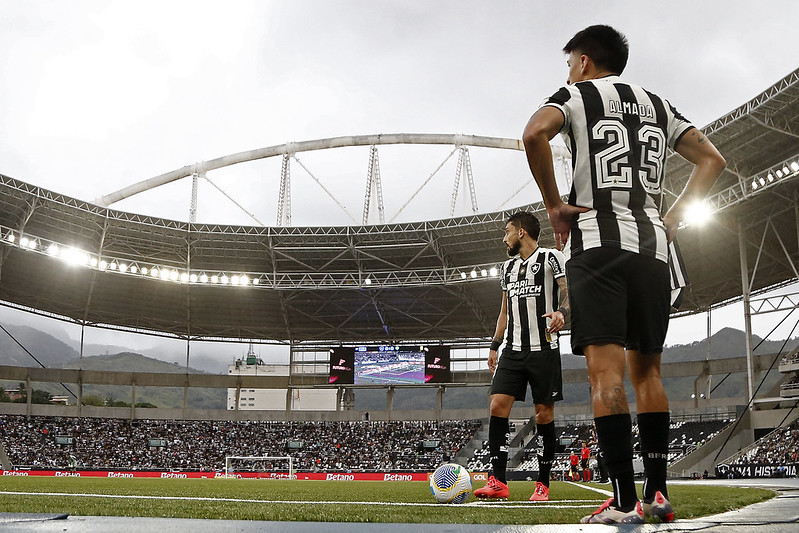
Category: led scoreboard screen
[389,365]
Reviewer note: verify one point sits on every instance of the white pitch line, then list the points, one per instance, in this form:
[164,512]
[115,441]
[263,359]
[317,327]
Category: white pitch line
[555,504]
[609,494]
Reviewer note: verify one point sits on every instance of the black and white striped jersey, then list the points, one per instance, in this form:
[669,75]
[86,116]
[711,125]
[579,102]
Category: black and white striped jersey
[618,134]
[531,290]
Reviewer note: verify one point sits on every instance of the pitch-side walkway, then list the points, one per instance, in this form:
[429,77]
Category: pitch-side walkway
[779,515]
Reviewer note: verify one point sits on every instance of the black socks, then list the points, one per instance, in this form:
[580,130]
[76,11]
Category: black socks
[498,432]
[547,434]
[654,431]
[614,433]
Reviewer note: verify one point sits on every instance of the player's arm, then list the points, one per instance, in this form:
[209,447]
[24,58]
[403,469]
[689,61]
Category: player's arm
[541,128]
[557,318]
[696,148]
[499,332]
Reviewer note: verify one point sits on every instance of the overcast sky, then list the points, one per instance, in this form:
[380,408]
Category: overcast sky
[96,95]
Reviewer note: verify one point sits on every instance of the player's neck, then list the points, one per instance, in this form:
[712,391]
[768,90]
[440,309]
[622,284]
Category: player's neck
[527,250]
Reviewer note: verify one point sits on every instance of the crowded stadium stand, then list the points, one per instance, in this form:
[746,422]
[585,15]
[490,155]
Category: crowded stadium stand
[116,444]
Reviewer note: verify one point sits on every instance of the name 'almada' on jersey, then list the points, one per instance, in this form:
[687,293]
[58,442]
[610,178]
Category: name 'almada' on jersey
[631,108]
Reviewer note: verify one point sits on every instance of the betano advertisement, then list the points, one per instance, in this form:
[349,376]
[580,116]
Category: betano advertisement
[318,476]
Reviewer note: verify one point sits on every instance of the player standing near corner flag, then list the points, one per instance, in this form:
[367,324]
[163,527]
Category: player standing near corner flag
[532,281]
[618,134]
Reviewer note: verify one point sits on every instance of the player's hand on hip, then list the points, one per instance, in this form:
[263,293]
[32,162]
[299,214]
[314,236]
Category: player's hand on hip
[561,218]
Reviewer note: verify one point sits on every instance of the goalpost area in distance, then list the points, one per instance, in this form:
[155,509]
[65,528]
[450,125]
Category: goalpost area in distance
[279,467]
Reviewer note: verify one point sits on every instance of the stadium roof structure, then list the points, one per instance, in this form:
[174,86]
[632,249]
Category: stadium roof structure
[432,280]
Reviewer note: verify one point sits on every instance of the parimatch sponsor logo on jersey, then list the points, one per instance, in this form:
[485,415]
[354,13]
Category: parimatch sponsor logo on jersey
[523,289]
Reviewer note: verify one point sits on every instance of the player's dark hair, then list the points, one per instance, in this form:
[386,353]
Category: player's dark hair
[606,47]
[527,222]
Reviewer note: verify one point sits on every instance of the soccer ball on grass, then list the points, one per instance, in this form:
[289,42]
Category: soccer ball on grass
[451,483]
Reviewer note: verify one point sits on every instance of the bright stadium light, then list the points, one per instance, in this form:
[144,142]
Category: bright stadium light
[73,256]
[214,279]
[785,170]
[463,275]
[234,280]
[164,274]
[52,250]
[368,281]
[473,274]
[203,278]
[123,267]
[699,213]
[244,280]
[144,271]
[779,173]
[184,277]
[484,272]
[23,242]
[103,265]
[255,281]
[155,273]
[770,177]
[762,181]
[223,280]
[113,266]
[173,275]
[795,166]
[493,272]
[93,262]
[193,278]
[10,237]
[133,269]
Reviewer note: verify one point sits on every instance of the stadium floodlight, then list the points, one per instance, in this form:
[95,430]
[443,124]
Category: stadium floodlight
[184,277]
[133,269]
[754,182]
[103,265]
[473,274]
[484,272]
[255,281]
[113,265]
[173,275]
[368,281]
[244,280]
[203,278]
[779,173]
[463,275]
[144,271]
[164,275]
[770,177]
[214,279]
[74,256]
[10,237]
[155,273]
[193,278]
[93,262]
[698,213]
[493,272]
[785,170]
[234,280]
[23,242]
[123,267]
[52,250]
[795,166]
[762,181]
[223,279]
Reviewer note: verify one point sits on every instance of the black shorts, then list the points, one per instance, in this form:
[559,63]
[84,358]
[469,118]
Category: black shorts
[540,369]
[618,297]
[583,463]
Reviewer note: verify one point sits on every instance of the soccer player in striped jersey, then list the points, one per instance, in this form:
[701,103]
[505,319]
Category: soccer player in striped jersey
[534,306]
[618,134]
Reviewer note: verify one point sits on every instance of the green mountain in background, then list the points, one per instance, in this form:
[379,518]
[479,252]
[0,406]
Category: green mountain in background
[53,353]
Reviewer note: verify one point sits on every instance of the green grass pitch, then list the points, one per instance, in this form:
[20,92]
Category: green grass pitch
[326,501]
